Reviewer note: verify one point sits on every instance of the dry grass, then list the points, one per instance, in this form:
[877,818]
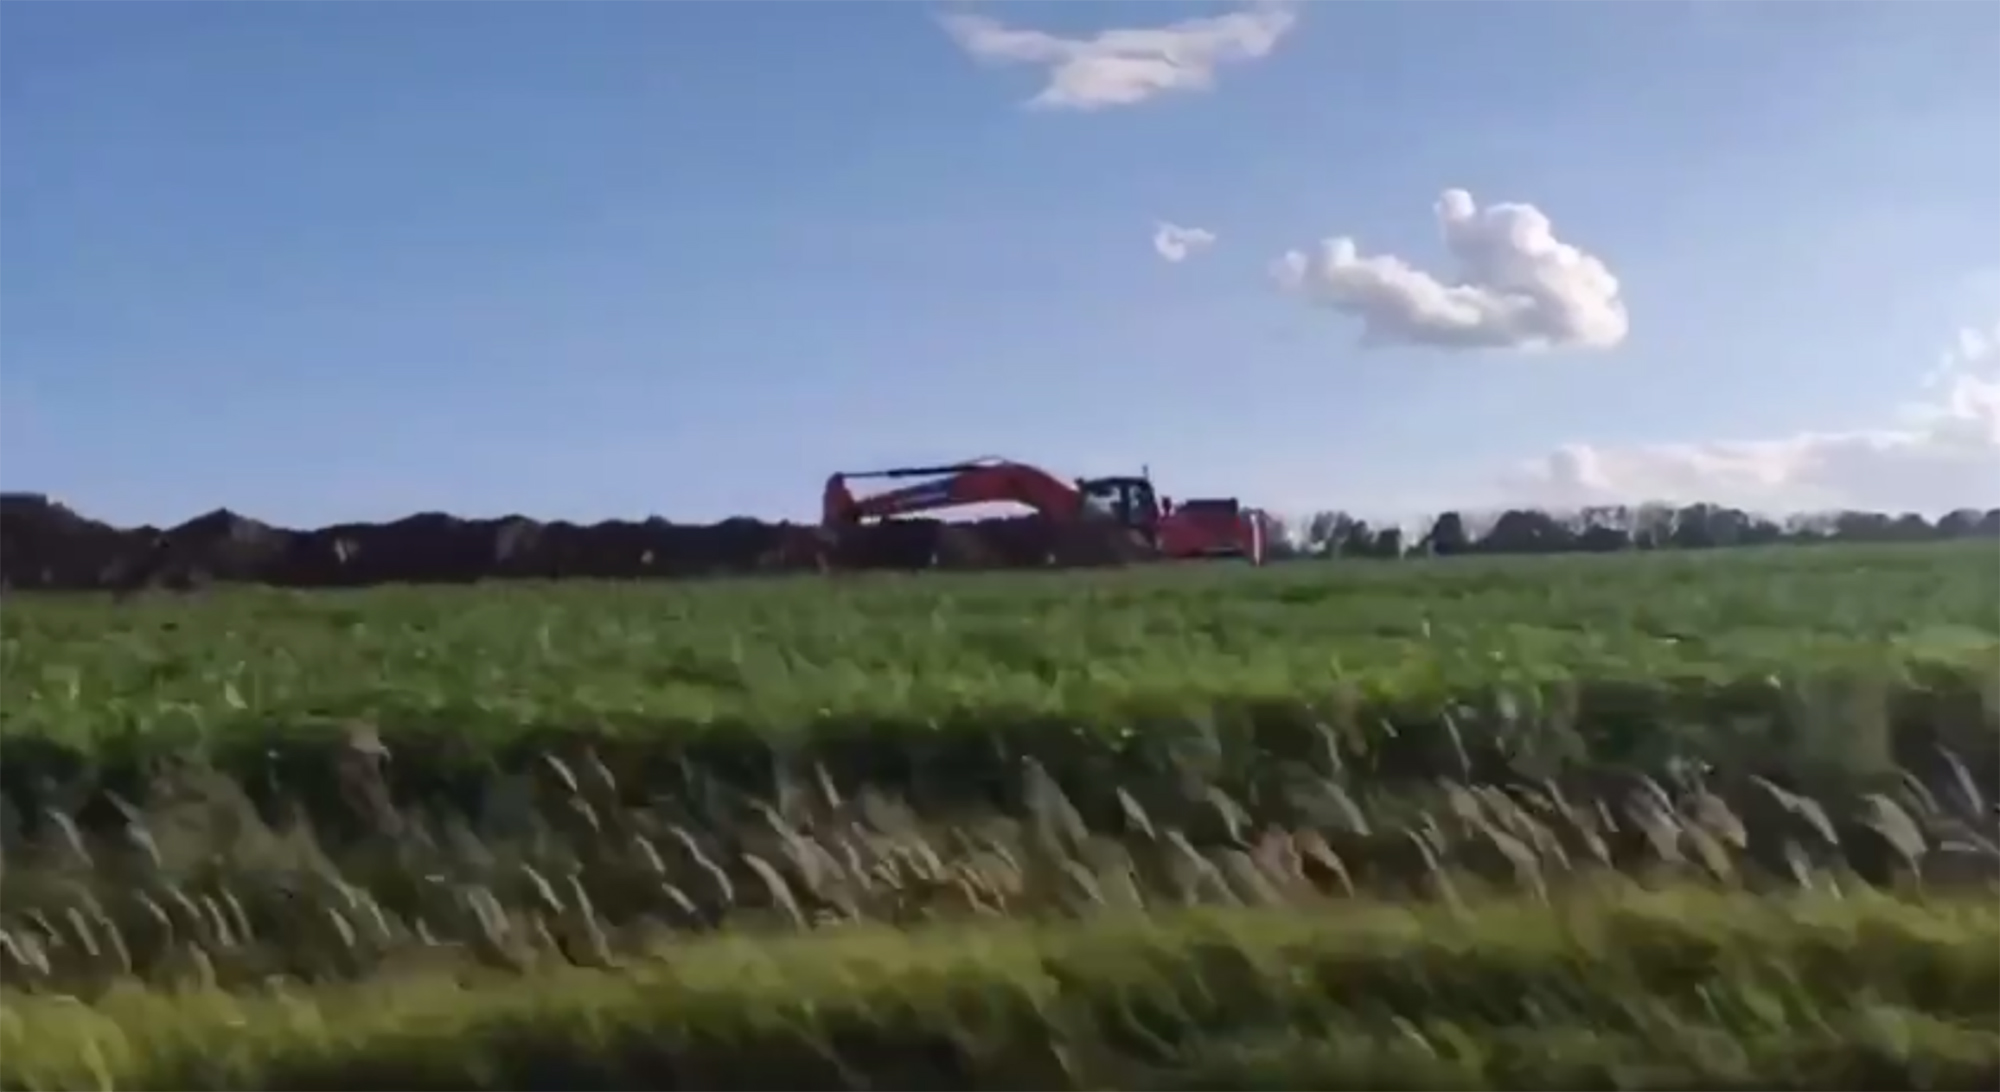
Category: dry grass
[197,889]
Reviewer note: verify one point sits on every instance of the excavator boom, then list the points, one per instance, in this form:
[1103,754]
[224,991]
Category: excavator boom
[1201,528]
[959,485]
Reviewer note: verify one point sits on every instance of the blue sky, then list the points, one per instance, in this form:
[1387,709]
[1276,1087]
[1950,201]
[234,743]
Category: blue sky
[333,261]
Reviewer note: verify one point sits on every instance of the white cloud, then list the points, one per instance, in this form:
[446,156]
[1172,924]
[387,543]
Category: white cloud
[1517,285]
[1126,66]
[1177,244]
[1940,453]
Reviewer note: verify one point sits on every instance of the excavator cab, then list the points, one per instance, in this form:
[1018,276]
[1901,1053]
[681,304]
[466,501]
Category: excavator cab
[1130,501]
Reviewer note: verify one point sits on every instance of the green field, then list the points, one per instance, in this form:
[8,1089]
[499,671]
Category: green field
[781,656]
[1673,820]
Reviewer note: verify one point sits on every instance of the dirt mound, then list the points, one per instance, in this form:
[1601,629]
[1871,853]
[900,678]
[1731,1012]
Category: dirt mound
[45,545]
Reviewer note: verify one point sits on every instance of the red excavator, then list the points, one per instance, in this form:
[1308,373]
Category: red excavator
[1216,527]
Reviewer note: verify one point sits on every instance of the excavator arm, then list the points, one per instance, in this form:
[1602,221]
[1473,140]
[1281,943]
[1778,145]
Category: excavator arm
[1198,528]
[986,481]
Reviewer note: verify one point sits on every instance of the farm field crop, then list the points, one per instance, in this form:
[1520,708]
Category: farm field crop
[1607,658]
[1666,820]
[783,654]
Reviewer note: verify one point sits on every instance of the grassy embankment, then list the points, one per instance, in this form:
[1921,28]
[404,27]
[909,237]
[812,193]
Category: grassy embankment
[1658,992]
[583,774]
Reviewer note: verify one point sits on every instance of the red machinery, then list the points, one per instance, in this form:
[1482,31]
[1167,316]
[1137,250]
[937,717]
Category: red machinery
[1198,528]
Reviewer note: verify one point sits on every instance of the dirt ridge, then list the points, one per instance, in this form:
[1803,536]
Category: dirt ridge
[45,545]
